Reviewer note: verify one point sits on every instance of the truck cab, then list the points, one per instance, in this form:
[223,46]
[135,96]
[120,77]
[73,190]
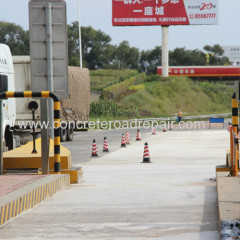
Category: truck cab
[8,105]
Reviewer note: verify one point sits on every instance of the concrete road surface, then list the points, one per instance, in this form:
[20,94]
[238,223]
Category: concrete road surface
[172,198]
[81,147]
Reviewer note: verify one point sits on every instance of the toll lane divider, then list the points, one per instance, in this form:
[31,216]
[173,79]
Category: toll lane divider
[20,200]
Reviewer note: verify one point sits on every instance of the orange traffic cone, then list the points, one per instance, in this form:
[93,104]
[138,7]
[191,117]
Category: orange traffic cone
[170,126]
[146,155]
[138,138]
[123,143]
[153,131]
[127,138]
[94,149]
[164,129]
[105,145]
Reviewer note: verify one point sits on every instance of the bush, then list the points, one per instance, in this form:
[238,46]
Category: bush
[120,88]
[105,108]
[153,78]
[137,87]
[101,79]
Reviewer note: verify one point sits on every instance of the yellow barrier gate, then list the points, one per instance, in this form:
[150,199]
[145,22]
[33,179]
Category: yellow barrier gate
[44,94]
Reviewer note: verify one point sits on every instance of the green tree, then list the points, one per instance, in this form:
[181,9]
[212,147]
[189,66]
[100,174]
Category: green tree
[73,45]
[99,53]
[215,55]
[215,49]
[183,57]
[126,56]
[15,37]
[97,50]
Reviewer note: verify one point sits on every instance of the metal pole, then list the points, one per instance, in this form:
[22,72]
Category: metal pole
[1,139]
[165,30]
[49,63]
[44,137]
[234,168]
[34,133]
[80,34]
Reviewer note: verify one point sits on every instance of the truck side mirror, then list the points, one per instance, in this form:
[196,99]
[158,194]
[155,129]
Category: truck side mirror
[3,83]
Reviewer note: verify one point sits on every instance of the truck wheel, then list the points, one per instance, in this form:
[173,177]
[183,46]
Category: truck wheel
[70,133]
[63,135]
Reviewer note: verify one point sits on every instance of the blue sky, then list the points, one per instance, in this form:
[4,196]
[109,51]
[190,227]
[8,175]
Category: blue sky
[98,14]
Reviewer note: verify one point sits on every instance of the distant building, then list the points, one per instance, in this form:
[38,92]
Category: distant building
[233,53]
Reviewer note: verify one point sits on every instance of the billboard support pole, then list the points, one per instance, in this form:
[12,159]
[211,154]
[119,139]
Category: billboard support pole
[165,30]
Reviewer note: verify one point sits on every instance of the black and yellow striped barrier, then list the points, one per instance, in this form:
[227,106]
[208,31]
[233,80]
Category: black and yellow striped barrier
[44,94]
[234,130]
[234,111]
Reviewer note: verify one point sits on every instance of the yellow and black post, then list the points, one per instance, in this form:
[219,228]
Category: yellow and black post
[235,156]
[234,129]
[234,111]
[57,167]
[44,94]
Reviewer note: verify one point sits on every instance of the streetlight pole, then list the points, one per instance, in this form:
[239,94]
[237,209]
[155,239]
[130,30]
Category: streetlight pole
[80,34]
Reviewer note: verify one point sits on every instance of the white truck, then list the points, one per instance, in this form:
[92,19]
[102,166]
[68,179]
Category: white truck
[16,114]
[9,105]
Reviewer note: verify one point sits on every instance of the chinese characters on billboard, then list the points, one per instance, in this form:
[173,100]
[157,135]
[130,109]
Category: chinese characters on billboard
[164,12]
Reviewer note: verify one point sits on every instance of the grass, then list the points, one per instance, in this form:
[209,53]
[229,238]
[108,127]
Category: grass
[101,79]
[159,97]
[164,98]
[117,90]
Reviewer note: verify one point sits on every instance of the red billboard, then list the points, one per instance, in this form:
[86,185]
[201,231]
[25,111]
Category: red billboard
[164,12]
[203,71]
